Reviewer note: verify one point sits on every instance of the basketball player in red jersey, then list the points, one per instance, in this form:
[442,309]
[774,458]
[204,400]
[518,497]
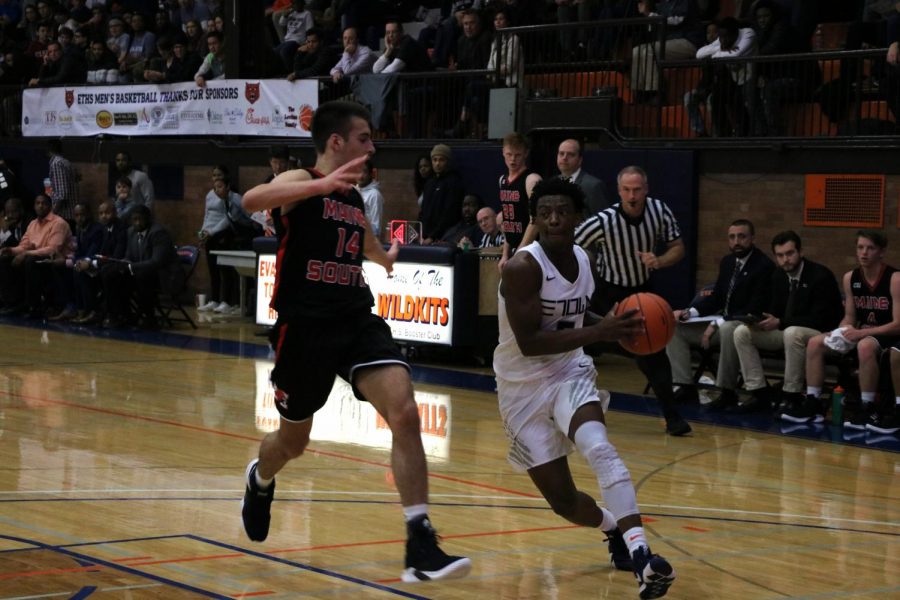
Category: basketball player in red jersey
[546,384]
[515,190]
[326,327]
[871,324]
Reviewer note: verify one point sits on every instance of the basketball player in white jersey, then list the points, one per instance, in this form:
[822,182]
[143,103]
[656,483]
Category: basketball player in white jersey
[546,384]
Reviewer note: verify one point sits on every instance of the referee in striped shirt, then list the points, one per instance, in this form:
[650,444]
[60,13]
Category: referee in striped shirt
[624,237]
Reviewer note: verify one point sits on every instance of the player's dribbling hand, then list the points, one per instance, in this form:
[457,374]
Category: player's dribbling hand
[613,327]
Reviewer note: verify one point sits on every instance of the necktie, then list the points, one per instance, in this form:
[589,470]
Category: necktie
[792,296]
[731,284]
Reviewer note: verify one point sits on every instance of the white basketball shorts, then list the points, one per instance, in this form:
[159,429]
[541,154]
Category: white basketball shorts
[537,414]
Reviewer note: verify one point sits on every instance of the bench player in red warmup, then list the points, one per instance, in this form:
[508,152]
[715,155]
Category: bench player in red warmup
[326,327]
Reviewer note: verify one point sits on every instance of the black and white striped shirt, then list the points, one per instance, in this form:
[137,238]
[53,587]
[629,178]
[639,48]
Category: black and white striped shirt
[491,241]
[616,238]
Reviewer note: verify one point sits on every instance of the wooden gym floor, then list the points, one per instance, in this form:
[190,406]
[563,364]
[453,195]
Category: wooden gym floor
[121,473]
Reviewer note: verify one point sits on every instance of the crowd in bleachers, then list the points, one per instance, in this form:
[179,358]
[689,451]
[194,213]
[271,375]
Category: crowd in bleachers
[104,42]
[50,42]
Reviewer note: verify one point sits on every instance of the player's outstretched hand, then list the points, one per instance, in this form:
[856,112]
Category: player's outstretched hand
[345,177]
[613,327]
[392,254]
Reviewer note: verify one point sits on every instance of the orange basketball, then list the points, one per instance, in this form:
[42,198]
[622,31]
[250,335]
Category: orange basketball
[659,323]
[306,116]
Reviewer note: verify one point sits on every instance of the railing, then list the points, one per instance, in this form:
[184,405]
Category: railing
[420,105]
[11,110]
[821,97]
[815,96]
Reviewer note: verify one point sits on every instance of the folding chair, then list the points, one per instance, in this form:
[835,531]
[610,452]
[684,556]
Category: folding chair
[172,297]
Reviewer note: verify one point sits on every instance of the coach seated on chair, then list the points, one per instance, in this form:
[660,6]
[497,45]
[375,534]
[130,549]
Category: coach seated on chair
[805,300]
[741,288]
[150,263]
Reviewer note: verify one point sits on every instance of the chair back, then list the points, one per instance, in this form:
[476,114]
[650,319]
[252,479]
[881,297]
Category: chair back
[175,286]
[176,278]
[188,256]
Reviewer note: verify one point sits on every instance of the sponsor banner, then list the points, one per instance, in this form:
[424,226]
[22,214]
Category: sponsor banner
[275,107]
[346,420]
[265,288]
[416,301]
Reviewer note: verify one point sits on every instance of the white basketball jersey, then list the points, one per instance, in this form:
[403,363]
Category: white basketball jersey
[563,305]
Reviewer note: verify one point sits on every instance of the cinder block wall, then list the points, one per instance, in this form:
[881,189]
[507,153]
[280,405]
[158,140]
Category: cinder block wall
[772,202]
[775,203]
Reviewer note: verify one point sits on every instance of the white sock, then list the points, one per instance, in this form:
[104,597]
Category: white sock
[609,521]
[813,391]
[635,538]
[414,510]
[897,400]
[867,397]
[260,482]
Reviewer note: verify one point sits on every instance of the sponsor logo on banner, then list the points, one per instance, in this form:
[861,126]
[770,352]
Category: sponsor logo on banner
[277,117]
[192,115]
[253,119]
[104,119]
[65,120]
[70,98]
[125,118]
[234,115]
[291,118]
[50,118]
[214,117]
[171,121]
[306,116]
[157,113]
[251,92]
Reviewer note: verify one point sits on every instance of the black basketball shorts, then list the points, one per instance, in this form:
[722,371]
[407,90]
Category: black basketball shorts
[309,352]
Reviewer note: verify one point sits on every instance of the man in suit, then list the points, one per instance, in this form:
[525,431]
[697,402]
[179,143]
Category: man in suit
[113,241]
[805,300]
[150,262]
[15,223]
[568,161]
[741,288]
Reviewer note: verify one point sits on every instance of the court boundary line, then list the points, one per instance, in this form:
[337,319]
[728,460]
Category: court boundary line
[116,567]
[64,549]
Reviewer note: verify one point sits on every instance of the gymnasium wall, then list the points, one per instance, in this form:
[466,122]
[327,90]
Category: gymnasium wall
[771,195]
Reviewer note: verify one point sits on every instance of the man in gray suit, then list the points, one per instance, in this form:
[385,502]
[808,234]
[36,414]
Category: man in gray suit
[568,160]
